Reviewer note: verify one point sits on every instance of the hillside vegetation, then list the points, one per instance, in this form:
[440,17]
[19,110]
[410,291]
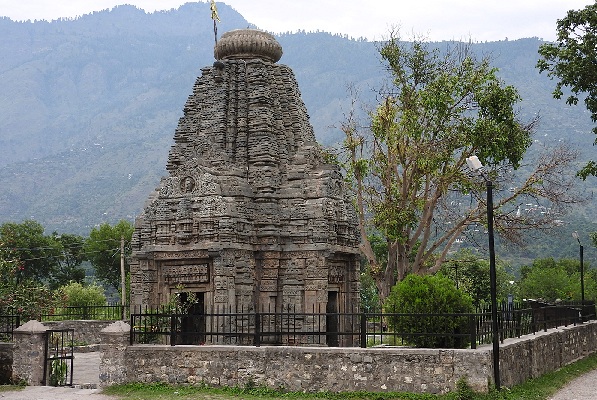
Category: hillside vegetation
[90,105]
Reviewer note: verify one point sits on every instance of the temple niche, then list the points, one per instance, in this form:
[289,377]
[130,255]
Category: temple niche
[251,217]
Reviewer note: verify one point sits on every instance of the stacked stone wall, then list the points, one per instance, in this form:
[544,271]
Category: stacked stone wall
[309,369]
[346,369]
[6,350]
[534,355]
[86,332]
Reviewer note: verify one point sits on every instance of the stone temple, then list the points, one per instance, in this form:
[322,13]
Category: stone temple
[251,216]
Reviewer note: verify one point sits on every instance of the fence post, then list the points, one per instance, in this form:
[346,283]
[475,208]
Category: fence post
[501,325]
[363,330]
[113,345]
[172,329]
[29,353]
[472,327]
[257,338]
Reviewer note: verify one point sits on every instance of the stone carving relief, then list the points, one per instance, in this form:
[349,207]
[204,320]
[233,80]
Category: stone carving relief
[185,274]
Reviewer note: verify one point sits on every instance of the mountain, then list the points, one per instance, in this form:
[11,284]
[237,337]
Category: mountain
[89,105]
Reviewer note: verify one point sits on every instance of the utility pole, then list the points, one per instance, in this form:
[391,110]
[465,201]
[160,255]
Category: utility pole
[122,279]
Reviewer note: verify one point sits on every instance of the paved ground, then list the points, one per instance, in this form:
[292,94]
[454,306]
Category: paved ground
[85,381]
[54,393]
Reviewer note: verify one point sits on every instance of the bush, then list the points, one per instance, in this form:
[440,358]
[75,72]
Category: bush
[27,299]
[429,295]
[77,295]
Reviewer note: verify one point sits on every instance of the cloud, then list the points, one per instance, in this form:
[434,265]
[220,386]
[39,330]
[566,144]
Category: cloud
[437,19]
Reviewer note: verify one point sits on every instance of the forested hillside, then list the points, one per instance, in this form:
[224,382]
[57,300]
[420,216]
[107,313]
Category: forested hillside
[89,105]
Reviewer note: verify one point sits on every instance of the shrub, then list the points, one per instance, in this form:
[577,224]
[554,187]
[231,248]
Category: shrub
[77,295]
[27,299]
[429,296]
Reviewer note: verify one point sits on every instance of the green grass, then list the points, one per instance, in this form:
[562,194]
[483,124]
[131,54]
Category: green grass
[535,389]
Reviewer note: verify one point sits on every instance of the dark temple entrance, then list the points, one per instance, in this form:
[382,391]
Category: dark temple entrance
[331,319]
[192,324]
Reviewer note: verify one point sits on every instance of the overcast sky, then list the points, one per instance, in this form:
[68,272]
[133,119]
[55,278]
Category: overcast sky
[478,20]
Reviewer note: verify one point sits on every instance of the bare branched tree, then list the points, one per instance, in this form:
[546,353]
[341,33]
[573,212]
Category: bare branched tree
[415,197]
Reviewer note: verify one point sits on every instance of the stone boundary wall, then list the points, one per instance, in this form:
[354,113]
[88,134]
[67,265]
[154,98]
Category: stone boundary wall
[311,369]
[86,331]
[6,350]
[342,369]
[534,355]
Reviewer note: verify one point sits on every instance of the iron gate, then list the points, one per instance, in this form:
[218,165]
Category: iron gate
[58,365]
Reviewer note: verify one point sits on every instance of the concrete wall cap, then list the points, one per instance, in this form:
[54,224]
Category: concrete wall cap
[117,327]
[32,326]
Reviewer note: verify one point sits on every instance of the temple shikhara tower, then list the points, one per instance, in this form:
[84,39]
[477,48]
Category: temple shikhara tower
[251,216]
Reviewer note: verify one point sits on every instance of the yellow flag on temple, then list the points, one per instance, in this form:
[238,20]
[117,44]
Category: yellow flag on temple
[214,11]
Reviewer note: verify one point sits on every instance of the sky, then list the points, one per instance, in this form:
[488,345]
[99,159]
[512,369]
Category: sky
[477,20]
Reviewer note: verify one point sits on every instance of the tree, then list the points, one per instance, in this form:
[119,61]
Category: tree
[408,168]
[103,250]
[28,299]
[471,275]
[550,280]
[572,59]
[33,255]
[69,266]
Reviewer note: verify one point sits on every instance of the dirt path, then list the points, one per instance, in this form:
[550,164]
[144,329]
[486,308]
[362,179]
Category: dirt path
[582,388]
[55,393]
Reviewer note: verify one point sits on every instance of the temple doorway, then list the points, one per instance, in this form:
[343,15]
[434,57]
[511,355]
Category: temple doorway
[192,323]
[331,319]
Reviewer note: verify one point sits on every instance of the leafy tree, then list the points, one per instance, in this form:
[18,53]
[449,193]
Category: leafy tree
[33,255]
[550,280]
[471,275]
[369,298]
[69,267]
[28,299]
[103,250]
[408,169]
[430,294]
[572,59]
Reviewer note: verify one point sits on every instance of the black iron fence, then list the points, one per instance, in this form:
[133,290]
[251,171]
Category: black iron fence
[11,318]
[105,312]
[8,323]
[357,329]
[316,327]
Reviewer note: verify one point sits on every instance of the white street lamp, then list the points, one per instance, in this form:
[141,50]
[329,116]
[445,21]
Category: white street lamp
[475,165]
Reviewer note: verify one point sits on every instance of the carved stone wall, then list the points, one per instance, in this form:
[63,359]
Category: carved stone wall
[250,216]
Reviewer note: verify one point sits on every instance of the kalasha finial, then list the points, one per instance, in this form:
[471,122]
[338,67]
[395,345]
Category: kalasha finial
[246,44]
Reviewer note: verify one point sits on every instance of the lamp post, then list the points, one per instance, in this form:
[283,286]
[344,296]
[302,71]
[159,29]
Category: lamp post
[475,165]
[582,269]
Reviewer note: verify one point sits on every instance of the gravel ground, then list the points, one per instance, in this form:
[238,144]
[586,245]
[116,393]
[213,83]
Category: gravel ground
[582,388]
[55,393]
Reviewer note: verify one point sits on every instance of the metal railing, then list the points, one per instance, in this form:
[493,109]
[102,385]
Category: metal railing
[10,319]
[358,329]
[106,312]
[289,327]
[8,323]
